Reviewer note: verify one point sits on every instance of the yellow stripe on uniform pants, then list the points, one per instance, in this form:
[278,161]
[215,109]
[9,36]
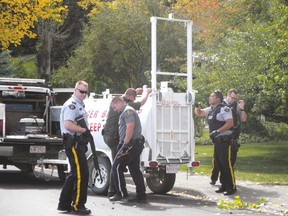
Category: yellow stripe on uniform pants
[78,176]
[231,167]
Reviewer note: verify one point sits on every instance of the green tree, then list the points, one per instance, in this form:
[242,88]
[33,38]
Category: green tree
[250,53]
[71,34]
[115,51]
[18,18]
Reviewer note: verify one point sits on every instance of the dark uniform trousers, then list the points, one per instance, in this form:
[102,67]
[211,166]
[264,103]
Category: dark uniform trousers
[112,141]
[75,187]
[234,151]
[223,160]
[132,160]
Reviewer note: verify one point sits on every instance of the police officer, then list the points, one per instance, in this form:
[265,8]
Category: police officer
[131,146]
[239,115]
[110,130]
[220,121]
[74,191]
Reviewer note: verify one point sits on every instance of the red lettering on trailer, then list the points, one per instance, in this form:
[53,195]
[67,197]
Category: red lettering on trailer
[104,113]
[94,127]
[92,113]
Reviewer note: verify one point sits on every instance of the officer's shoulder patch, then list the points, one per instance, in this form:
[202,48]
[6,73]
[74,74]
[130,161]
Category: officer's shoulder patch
[227,109]
[129,112]
[72,106]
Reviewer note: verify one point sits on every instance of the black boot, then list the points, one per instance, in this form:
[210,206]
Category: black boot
[221,189]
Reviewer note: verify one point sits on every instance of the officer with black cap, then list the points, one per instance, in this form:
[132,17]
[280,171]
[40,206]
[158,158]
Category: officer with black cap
[220,122]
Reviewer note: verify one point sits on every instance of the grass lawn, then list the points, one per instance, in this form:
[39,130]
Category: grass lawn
[265,163]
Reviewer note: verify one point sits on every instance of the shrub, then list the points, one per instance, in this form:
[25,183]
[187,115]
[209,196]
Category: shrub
[250,138]
[277,131]
[203,141]
[254,127]
[253,131]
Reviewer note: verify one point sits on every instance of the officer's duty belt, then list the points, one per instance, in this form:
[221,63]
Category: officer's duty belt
[224,138]
[139,140]
[67,136]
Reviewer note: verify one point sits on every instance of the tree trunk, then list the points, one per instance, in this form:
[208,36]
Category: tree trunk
[44,55]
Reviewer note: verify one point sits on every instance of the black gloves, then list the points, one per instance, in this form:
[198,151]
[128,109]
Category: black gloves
[125,148]
[85,137]
[214,134]
[87,134]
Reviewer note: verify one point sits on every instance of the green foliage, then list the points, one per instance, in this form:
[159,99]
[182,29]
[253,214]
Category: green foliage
[64,44]
[25,67]
[6,67]
[250,54]
[238,204]
[254,127]
[277,131]
[252,138]
[203,141]
[115,51]
[255,131]
[199,124]
[20,67]
[247,51]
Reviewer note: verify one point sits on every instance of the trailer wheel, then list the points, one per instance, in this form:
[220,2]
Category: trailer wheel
[61,172]
[161,184]
[98,187]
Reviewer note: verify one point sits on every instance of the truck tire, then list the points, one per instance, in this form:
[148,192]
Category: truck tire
[100,188]
[162,184]
[61,172]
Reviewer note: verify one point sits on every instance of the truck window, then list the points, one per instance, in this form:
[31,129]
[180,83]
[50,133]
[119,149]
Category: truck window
[18,107]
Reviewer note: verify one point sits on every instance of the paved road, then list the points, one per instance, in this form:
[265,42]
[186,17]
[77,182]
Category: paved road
[25,195]
[198,185]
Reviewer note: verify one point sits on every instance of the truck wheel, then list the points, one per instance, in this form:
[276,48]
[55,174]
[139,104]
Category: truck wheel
[161,184]
[98,187]
[61,172]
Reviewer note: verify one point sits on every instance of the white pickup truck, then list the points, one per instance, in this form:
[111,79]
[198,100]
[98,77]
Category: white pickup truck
[28,132]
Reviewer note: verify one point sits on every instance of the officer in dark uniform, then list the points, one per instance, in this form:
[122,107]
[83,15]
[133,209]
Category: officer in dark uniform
[110,131]
[220,121]
[74,192]
[239,116]
[130,148]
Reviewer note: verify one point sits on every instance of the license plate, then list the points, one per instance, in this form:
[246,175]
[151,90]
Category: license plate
[37,149]
[172,168]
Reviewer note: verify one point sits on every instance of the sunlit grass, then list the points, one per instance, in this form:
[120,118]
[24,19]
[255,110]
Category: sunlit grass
[265,163]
